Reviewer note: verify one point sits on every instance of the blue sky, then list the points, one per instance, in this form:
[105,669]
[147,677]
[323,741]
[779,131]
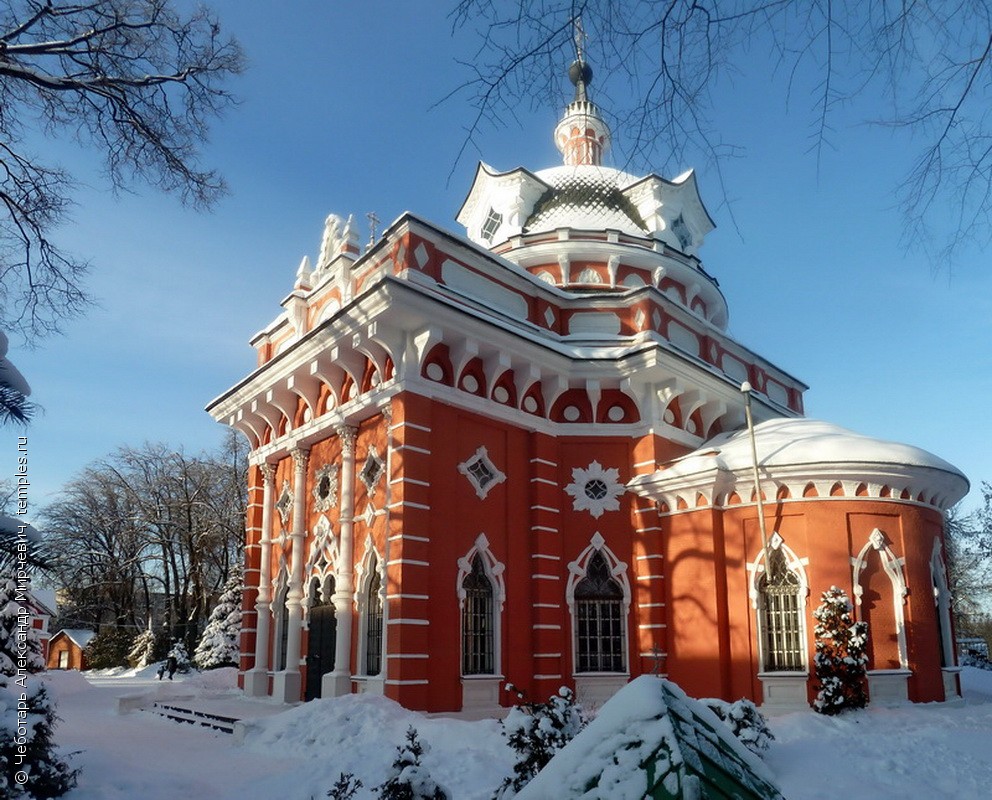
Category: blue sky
[338,115]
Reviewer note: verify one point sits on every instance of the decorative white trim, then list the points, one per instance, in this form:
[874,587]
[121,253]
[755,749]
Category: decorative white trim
[481,472]
[756,569]
[595,489]
[371,560]
[494,572]
[942,600]
[328,472]
[618,571]
[372,463]
[893,567]
[284,505]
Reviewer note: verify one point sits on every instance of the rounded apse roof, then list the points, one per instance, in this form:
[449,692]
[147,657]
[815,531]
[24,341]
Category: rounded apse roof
[794,442]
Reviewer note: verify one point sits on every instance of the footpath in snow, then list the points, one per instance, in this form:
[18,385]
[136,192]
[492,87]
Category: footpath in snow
[933,751]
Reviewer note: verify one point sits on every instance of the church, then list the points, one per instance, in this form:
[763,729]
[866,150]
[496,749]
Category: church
[529,452]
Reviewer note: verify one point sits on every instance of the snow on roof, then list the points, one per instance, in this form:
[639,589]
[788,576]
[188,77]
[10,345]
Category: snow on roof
[648,720]
[79,636]
[789,442]
[46,598]
[586,196]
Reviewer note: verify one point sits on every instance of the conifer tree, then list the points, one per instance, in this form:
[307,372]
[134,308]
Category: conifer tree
[840,655]
[409,779]
[219,645]
[181,655]
[30,769]
[536,731]
[143,650]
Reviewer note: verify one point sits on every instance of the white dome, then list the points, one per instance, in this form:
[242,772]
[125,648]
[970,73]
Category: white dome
[793,442]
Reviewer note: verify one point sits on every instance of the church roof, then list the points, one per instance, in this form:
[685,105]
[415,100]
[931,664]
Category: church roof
[586,196]
[794,451]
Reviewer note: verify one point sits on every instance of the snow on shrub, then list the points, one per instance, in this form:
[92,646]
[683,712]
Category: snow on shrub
[536,731]
[840,655]
[181,655]
[745,720]
[976,660]
[409,779]
[219,646]
[29,766]
[143,650]
[345,787]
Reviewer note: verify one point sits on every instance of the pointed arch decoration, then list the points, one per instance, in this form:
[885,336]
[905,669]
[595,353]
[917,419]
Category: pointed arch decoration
[893,567]
[779,592]
[370,601]
[280,617]
[481,595]
[493,567]
[598,594]
[942,601]
[322,563]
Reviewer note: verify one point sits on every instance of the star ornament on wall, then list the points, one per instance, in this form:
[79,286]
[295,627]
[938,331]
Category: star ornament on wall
[595,489]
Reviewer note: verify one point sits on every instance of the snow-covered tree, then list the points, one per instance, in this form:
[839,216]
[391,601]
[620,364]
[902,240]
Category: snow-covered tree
[219,645]
[745,720]
[181,655]
[143,650]
[840,655]
[408,778]
[345,787]
[29,766]
[109,648]
[536,731]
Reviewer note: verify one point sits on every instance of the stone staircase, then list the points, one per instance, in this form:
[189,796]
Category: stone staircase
[193,716]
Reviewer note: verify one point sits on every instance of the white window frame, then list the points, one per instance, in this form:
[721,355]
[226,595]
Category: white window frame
[893,567]
[576,573]
[494,571]
[797,566]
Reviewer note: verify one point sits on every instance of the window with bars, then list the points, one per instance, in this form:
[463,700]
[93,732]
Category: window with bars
[282,632]
[493,220]
[781,610]
[373,623]
[478,622]
[599,623]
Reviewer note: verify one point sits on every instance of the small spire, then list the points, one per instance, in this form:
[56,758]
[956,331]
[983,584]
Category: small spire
[582,136]
[373,224]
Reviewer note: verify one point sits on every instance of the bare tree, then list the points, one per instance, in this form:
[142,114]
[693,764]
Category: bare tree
[969,547]
[135,79]
[150,533]
[924,66]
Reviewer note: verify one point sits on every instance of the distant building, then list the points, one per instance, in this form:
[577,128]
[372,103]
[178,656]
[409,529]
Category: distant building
[68,649]
[522,455]
[42,607]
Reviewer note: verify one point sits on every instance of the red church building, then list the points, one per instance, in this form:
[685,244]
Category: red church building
[522,455]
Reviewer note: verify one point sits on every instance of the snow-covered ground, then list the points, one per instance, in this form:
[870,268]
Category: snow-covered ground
[931,751]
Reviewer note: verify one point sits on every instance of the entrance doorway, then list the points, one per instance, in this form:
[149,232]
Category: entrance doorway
[323,636]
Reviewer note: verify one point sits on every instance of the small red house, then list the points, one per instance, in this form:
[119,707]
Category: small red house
[67,649]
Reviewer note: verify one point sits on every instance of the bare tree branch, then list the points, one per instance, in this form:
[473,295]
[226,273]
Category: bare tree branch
[135,80]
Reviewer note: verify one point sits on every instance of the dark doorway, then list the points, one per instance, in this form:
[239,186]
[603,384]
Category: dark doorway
[323,636]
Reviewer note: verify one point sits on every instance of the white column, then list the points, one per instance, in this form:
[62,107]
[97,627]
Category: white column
[289,682]
[338,682]
[257,678]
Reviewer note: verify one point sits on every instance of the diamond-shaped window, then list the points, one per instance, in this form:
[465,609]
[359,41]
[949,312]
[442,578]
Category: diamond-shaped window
[481,472]
[372,470]
[285,502]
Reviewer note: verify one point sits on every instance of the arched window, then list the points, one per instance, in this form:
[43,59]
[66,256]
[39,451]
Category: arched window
[373,620]
[478,622]
[600,644]
[942,600]
[280,639]
[780,612]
